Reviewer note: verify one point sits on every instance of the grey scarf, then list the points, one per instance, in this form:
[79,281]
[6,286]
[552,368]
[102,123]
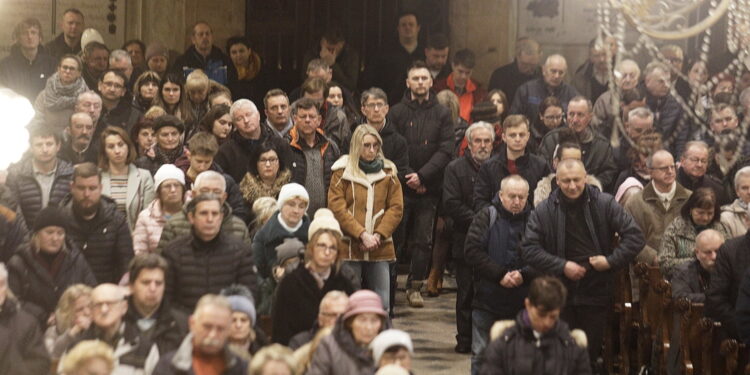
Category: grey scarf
[57,96]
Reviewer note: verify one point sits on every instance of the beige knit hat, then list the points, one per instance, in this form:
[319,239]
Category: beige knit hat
[324,219]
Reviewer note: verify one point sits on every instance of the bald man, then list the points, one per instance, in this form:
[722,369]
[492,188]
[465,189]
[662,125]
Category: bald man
[572,235]
[528,97]
[691,279]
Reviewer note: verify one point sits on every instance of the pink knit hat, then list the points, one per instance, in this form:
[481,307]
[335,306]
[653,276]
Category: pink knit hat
[364,301]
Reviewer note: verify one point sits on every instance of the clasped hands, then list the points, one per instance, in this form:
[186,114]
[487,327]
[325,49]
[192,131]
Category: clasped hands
[575,271]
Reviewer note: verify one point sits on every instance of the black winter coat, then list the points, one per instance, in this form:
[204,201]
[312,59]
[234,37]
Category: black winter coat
[597,156]
[24,77]
[105,240]
[531,94]
[124,116]
[27,191]
[690,280]
[396,150]
[428,130]
[743,309]
[36,288]
[458,199]
[732,262]
[493,252]
[297,301]
[216,65]
[197,268]
[13,233]
[22,350]
[516,351]
[531,167]
[170,328]
[234,154]
[544,243]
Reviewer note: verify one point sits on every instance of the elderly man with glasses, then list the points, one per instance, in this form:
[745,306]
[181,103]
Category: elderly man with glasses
[692,171]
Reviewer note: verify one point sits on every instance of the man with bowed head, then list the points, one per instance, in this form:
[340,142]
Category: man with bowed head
[572,235]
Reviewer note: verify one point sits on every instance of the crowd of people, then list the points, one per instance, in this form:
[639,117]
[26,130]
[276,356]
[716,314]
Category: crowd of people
[157,226]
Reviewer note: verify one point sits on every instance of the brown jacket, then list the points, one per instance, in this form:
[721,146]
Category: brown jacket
[372,203]
[653,219]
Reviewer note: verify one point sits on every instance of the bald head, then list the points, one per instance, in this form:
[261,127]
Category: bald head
[554,70]
[707,244]
[571,178]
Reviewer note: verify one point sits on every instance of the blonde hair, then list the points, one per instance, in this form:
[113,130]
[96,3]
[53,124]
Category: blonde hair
[448,99]
[273,353]
[197,81]
[304,357]
[154,112]
[84,352]
[64,313]
[355,147]
[263,209]
[310,247]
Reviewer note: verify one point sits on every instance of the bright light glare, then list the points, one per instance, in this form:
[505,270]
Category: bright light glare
[17,113]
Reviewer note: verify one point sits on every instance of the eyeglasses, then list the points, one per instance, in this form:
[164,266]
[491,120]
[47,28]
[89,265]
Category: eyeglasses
[664,168]
[68,68]
[375,105]
[554,117]
[322,247]
[697,160]
[269,161]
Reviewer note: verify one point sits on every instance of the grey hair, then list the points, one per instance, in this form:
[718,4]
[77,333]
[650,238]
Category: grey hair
[317,64]
[555,57]
[118,55]
[374,93]
[743,172]
[214,300]
[206,197]
[242,103]
[641,112]
[87,93]
[479,125]
[513,178]
[581,98]
[206,176]
[654,66]
[690,144]
[627,62]
[331,296]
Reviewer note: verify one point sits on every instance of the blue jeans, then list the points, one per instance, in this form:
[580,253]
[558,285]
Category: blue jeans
[376,277]
[481,323]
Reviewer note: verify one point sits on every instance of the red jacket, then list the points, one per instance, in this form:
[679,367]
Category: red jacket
[472,94]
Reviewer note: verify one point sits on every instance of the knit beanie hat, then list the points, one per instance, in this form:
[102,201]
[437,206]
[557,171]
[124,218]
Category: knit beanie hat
[48,217]
[291,248]
[290,191]
[241,300]
[156,49]
[388,339]
[392,369]
[485,111]
[166,172]
[364,301]
[90,35]
[323,220]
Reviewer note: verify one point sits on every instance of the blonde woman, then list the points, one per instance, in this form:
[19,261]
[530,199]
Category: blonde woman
[273,360]
[89,357]
[366,199]
[72,316]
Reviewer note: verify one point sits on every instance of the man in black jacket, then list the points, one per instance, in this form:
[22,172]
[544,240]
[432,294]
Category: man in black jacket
[493,249]
[78,148]
[149,316]
[117,109]
[458,190]
[692,172]
[525,67]
[732,262]
[597,151]
[204,55]
[22,348]
[512,158]
[96,226]
[375,109]
[29,65]
[691,280]
[206,260]
[571,235]
[428,130]
[538,339]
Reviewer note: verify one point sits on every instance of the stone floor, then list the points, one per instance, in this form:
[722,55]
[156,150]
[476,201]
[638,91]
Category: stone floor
[433,331]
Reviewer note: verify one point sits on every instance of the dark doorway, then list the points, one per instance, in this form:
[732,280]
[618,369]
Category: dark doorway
[283,30]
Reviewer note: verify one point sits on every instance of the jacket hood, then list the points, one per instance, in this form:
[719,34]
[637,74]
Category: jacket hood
[414,104]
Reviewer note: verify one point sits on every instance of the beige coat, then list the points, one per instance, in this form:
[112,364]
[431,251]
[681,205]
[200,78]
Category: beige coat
[652,218]
[733,216]
[372,203]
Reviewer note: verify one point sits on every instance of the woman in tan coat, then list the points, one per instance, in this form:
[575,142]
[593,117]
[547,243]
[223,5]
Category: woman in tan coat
[365,197]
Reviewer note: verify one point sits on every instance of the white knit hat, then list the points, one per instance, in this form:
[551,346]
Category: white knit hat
[290,191]
[324,219]
[166,172]
[392,369]
[388,339]
[90,35]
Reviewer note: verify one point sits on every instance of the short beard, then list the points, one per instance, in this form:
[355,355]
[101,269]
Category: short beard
[85,212]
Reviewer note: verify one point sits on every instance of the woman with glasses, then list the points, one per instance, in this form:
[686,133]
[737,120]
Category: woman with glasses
[552,115]
[299,293]
[54,105]
[267,172]
[43,268]
[132,188]
[365,196]
[700,212]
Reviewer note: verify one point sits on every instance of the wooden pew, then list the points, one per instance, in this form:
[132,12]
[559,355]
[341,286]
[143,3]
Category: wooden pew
[722,355]
[620,328]
[655,317]
[691,336]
